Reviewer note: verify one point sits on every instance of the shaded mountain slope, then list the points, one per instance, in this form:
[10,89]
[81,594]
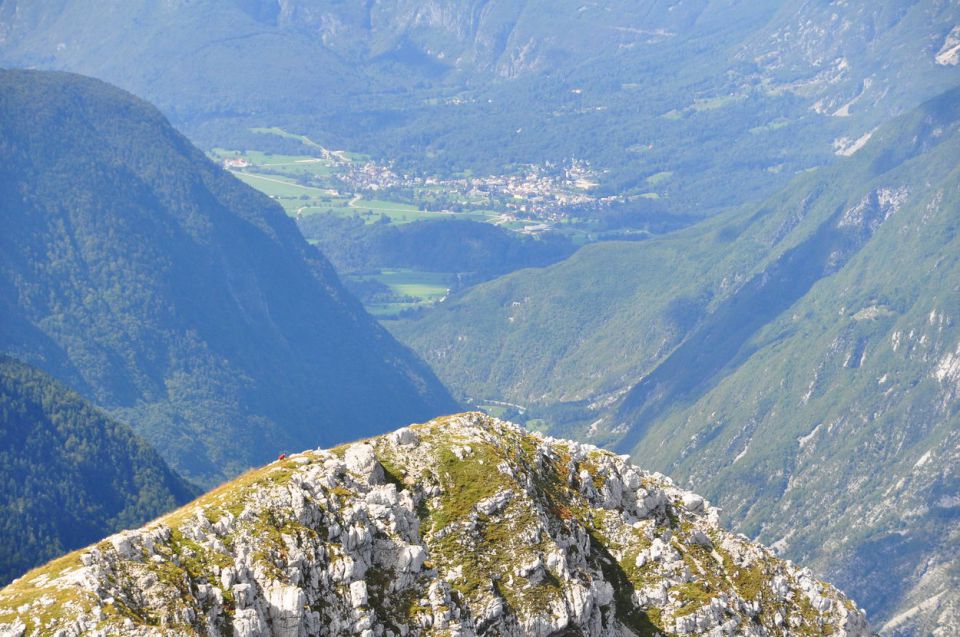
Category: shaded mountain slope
[175,296]
[69,474]
[461,526]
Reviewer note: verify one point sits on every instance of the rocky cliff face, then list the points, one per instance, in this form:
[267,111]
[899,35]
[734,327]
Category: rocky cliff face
[829,53]
[462,526]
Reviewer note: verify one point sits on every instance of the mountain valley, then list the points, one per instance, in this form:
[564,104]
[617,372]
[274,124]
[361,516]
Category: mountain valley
[719,238]
[815,345]
[182,301]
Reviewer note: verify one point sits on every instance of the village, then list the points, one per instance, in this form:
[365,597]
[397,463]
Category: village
[528,198]
[546,192]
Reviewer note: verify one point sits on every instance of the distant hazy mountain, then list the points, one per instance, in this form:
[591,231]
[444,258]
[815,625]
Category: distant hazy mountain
[68,473]
[796,360]
[731,97]
[158,285]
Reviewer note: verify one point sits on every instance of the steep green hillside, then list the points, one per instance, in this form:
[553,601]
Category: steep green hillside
[820,326]
[595,323]
[172,294]
[68,473]
[834,430]
[572,331]
[732,98]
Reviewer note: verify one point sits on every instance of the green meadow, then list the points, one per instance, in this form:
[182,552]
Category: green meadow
[409,289]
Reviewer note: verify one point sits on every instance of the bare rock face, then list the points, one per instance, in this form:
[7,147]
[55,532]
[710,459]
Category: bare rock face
[462,526]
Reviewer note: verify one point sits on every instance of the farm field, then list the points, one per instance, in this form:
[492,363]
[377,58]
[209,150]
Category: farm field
[320,180]
[313,184]
[408,289]
[427,285]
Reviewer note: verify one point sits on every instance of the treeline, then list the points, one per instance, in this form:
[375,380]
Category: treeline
[455,246]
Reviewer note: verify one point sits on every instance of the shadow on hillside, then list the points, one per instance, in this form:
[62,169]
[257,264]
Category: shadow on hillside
[694,367]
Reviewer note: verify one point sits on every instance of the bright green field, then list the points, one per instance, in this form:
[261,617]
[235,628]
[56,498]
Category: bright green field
[424,288]
[427,286]
[294,165]
[660,177]
[294,197]
[280,177]
[277,186]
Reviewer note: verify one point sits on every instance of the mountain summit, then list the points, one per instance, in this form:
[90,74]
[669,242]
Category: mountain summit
[465,525]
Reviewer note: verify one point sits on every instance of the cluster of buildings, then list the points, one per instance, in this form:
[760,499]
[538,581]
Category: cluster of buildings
[371,176]
[538,191]
[546,192]
[235,163]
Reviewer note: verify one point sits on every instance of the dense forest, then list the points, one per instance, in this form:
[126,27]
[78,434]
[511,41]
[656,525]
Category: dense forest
[479,249]
[173,295]
[69,474]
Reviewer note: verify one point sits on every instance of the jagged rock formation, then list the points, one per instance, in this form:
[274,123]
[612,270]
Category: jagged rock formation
[465,525]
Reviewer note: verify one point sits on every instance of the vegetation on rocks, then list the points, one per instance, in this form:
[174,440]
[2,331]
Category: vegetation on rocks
[461,526]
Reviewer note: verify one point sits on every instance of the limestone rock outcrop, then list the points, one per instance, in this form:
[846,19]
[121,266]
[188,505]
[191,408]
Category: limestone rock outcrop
[465,525]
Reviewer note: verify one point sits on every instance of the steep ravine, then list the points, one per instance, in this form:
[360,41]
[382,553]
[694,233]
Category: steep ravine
[465,525]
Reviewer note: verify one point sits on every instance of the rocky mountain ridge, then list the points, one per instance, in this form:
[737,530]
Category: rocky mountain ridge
[465,525]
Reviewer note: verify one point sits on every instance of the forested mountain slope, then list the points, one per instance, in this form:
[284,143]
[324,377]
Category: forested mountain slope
[69,474]
[165,290]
